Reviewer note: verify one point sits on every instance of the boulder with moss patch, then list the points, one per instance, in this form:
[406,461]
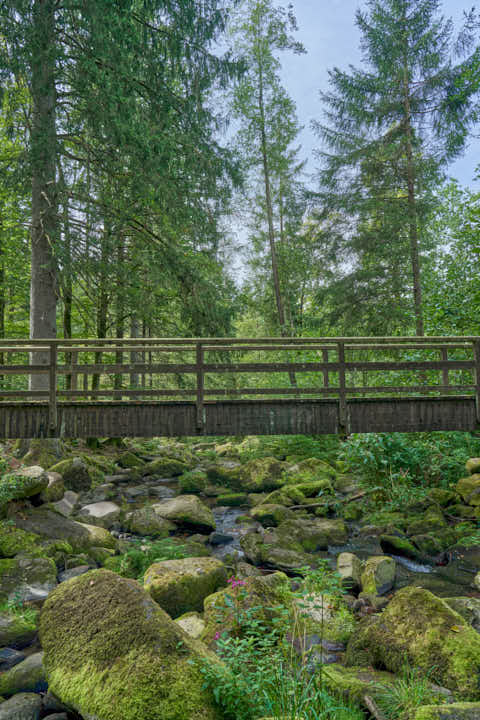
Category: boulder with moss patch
[27,676]
[23,483]
[263,597]
[75,474]
[378,575]
[165,467]
[194,481]
[233,499]
[469,489]
[193,623]
[187,511]
[349,567]
[45,452]
[55,489]
[353,683]
[180,586]
[313,534]
[29,579]
[145,521]
[454,711]
[50,525]
[472,466]
[17,630]
[419,628]
[129,460]
[112,653]
[270,515]
[105,514]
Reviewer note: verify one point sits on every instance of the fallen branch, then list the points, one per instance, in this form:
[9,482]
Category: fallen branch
[372,706]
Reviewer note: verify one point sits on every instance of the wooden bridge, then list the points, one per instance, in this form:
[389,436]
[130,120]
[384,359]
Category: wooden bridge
[233,386]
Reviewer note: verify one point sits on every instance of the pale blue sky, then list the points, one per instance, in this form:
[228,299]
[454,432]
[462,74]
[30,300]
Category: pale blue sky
[328,31]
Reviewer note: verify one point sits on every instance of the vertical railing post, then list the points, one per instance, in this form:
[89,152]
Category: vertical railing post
[476,354]
[325,372]
[445,372]
[73,369]
[342,389]
[52,387]
[200,388]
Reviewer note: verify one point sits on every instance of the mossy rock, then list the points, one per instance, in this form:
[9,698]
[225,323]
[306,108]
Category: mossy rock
[378,575]
[349,567]
[186,511]
[46,452]
[263,597]
[228,477]
[353,683]
[468,608]
[311,469]
[23,483]
[111,652]
[270,515]
[395,545]
[17,630]
[455,711]
[232,499]
[165,467]
[14,540]
[431,521]
[129,460]
[55,489]
[442,497]
[352,511]
[261,551]
[27,676]
[313,534]
[428,544]
[193,482]
[192,623]
[180,586]
[287,495]
[419,628]
[75,474]
[26,578]
[53,526]
[262,475]
[145,521]
[472,466]
[469,489]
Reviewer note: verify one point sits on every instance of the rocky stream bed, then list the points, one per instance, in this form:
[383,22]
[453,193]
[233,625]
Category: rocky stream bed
[86,633]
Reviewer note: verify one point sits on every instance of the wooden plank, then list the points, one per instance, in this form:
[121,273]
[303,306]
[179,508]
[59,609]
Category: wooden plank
[52,402]
[200,388]
[23,369]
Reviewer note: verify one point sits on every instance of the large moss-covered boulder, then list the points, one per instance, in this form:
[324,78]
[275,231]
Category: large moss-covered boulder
[145,521]
[55,489]
[50,525]
[378,575]
[469,489]
[129,460]
[27,578]
[421,629]
[180,586]
[75,474]
[23,483]
[262,474]
[266,550]
[27,676]
[468,608]
[14,540]
[473,466]
[165,467]
[354,683]
[270,515]
[455,711]
[17,630]
[262,597]
[313,534]
[187,511]
[111,653]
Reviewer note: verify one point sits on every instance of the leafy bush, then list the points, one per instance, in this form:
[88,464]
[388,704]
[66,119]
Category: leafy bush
[135,562]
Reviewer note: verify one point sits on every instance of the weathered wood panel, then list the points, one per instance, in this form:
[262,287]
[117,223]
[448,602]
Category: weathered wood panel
[411,414]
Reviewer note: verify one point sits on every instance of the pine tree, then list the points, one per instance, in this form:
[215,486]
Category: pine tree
[385,119]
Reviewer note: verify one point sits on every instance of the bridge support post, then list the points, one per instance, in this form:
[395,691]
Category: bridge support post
[200,409]
[476,353]
[342,394]
[52,387]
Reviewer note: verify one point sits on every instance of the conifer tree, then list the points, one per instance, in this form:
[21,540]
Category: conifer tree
[385,119]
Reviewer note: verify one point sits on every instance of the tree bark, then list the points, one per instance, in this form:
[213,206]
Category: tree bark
[44,231]
[412,207]
[102,303]
[119,309]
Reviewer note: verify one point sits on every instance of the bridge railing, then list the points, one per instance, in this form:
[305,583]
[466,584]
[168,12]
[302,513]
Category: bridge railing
[205,369]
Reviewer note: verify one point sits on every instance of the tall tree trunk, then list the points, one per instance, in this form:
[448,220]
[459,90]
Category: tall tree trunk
[271,229]
[412,207]
[43,286]
[3,302]
[135,357]
[120,308]
[102,302]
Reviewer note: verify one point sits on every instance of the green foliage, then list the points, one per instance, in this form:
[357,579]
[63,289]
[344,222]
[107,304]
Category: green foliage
[400,700]
[135,562]
[16,606]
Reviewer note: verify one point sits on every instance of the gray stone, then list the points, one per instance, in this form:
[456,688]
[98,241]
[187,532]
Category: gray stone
[27,676]
[31,579]
[186,510]
[349,567]
[218,538]
[104,514]
[73,572]
[15,631]
[9,657]
[24,706]
[67,504]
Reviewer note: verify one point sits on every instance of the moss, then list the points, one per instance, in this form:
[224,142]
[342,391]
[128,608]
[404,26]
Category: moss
[399,546]
[230,477]
[428,544]
[22,484]
[165,467]
[111,652]
[313,534]
[130,460]
[24,576]
[270,515]
[354,682]
[455,711]
[442,497]
[14,540]
[420,628]
[263,597]
[232,499]
[75,474]
[180,586]
[431,521]
[44,453]
[262,474]
[188,511]
[193,482]
[145,521]
[352,511]
[287,495]
[17,630]
[378,575]
[469,489]
[27,676]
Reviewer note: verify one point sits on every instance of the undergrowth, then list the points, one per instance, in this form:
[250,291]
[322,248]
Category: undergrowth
[135,562]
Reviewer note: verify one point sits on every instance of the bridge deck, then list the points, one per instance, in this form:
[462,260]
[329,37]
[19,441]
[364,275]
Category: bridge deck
[181,387]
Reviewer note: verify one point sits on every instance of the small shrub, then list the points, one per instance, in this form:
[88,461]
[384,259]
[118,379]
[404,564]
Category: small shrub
[135,562]
[400,700]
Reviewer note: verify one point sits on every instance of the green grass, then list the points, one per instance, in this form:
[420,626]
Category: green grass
[400,700]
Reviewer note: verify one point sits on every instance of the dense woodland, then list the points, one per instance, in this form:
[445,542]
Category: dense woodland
[136,138]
